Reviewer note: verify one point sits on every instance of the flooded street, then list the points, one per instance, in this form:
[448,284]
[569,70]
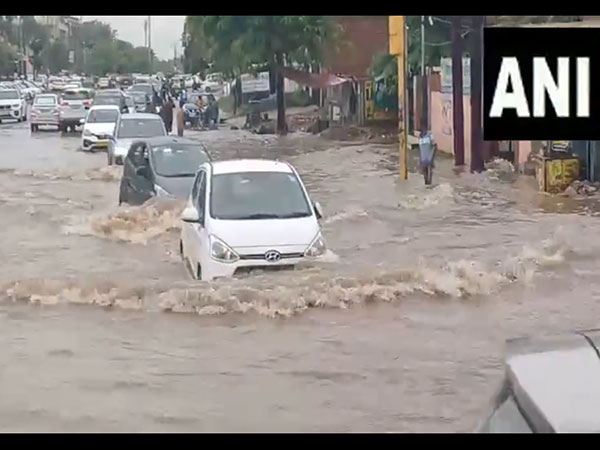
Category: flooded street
[402,330]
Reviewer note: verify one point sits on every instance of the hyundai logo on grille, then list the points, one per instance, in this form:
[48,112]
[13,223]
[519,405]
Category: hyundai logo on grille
[272,256]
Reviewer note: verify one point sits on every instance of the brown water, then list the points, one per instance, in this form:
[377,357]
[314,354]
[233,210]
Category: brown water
[402,329]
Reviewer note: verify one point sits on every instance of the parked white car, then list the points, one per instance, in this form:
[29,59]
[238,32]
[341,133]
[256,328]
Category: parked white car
[99,126]
[244,214]
[12,105]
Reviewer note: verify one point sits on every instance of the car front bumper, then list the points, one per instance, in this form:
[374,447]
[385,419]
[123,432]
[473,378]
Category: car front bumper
[10,113]
[212,269]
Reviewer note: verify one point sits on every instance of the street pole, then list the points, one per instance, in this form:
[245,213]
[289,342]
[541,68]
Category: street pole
[402,103]
[477,164]
[424,90]
[22,67]
[398,47]
[150,43]
[458,126]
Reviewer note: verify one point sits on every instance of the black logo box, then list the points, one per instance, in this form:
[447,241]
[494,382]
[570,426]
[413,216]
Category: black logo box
[524,44]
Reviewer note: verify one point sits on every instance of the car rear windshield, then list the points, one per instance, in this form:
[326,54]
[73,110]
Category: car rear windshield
[43,101]
[139,97]
[108,100]
[145,88]
[257,195]
[102,116]
[76,95]
[138,128]
[177,160]
[8,95]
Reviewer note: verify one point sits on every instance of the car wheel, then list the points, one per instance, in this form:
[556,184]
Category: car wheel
[32,128]
[25,118]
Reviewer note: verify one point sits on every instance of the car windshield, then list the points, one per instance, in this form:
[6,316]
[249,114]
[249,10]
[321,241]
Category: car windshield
[76,95]
[177,160]
[137,128]
[102,116]
[42,101]
[257,195]
[8,95]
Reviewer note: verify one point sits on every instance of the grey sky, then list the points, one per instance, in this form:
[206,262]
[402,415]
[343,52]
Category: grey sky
[166,31]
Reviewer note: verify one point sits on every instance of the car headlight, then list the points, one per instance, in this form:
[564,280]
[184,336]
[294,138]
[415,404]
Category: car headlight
[16,106]
[220,251]
[317,247]
[87,132]
[160,192]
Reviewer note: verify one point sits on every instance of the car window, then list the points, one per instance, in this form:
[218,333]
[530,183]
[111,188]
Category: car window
[9,95]
[257,195]
[129,101]
[76,95]
[202,193]
[177,160]
[102,116]
[195,188]
[108,100]
[506,419]
[136,154]
[141,128]
[45,101]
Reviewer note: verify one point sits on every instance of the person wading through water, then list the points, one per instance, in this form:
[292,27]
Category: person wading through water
[166,113]
[427,150]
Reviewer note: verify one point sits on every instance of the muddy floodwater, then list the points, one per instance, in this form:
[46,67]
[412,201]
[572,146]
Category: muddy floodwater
[402,328]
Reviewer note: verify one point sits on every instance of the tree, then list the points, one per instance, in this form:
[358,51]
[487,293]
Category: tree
[56,56]
[37,38]
[8,57]
[238,44]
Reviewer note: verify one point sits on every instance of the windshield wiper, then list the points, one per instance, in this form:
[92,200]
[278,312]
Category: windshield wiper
[254,216]
[293,215]
[179,175]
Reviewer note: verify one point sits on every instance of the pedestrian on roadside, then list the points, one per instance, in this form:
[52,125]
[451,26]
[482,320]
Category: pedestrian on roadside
[166,113]
[180,122]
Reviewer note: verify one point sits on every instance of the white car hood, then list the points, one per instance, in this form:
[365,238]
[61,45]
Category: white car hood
[100,128]
[272,233]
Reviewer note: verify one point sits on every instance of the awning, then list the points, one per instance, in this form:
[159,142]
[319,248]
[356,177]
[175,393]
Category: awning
[313,80]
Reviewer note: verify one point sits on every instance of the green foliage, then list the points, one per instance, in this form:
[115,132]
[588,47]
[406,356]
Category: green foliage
[8,56]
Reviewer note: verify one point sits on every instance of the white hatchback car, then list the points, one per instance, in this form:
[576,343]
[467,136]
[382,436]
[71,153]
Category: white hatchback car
[244,214]
[99,126]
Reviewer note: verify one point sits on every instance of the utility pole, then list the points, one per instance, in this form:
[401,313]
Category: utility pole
[424,90]
[458,125]
[22,66]
[150,43]
[146,33]
[397,33]
[477,164]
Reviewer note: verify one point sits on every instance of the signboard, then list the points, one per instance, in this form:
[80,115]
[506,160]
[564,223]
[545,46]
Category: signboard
[446,65]
[258,83]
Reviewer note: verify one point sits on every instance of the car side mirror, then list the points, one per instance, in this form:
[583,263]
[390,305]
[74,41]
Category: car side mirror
[81,121]
[143,172]
[318,210]
[190,215]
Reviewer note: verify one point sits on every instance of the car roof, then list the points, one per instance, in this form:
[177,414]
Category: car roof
[557,382]
[250,165]
[105,107]
[138,116]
